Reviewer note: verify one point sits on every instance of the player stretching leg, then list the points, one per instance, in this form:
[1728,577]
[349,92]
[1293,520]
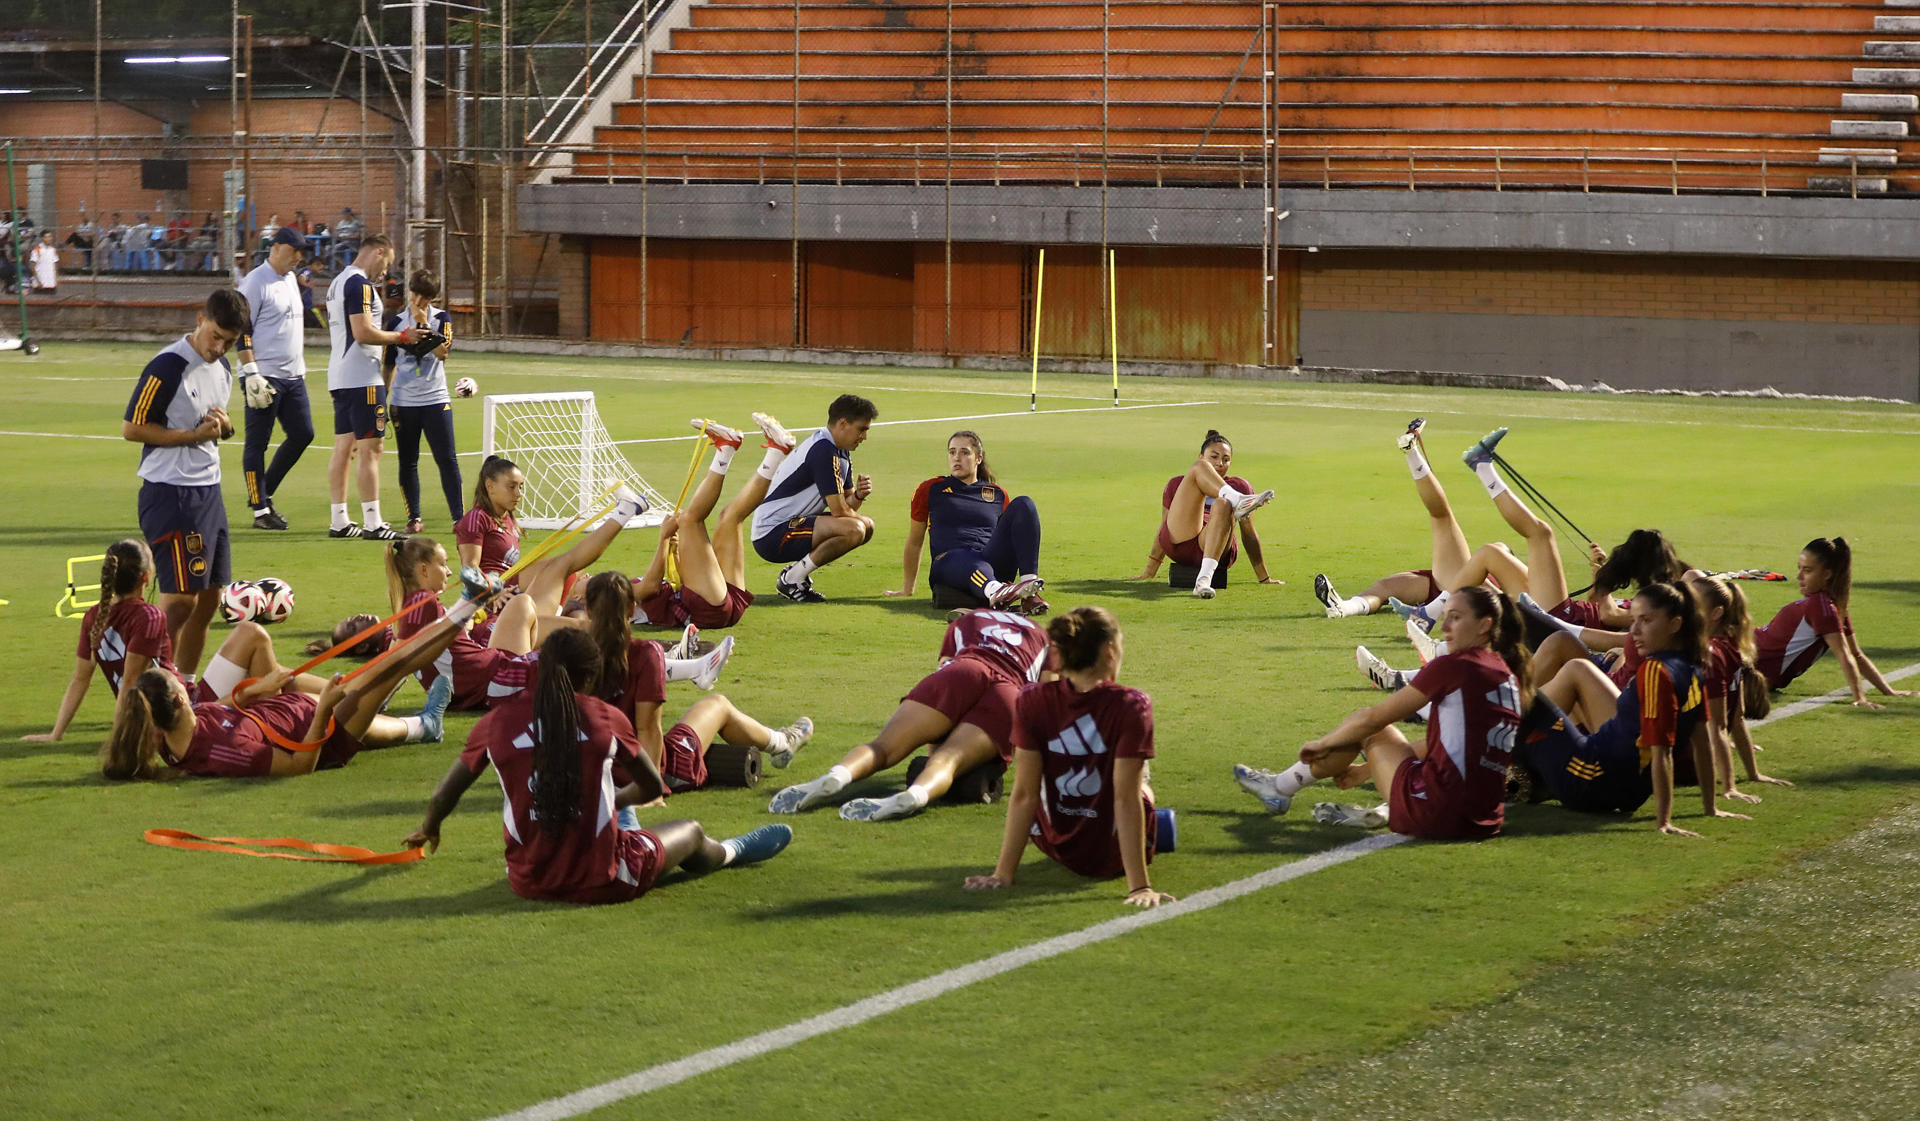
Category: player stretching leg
[1421,585]
[811,514]
[1190,534]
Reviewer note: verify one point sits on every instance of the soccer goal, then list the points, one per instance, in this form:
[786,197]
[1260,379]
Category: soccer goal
[567,455]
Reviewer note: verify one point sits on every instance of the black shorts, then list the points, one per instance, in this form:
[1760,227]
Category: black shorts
[186,527]
[360,413]
[788,543]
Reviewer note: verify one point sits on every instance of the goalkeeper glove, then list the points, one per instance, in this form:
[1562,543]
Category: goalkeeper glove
[425,345]
[259,390]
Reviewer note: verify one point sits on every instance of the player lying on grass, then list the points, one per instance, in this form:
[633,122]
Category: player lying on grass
[1818,622]
[1735,691]
[1453,785]
[986,543]
[1189,534]
[1614,749]
[712,592]
[568,763]
[811,513]
[252,732]
[633,676]
[1081,745]
[964,709]
[1420,585]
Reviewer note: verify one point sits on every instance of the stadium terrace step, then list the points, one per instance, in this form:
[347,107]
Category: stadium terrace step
[1859,157]
[1878,76]
[1881,102]
[1895,48]
[1845,183]
[1870,128]
[1896,23]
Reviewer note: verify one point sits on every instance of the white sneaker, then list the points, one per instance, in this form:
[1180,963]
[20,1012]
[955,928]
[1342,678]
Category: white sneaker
[687,647]
[797,733]
[776,434]
[1329,599]
[1423,643]
[1203,591]
[1353,817]
[630,504]
[880,809]
[1251,502]
[1380,673]
[721,435]
[805,796]
[1259,783]
[713,663]
[1015,590]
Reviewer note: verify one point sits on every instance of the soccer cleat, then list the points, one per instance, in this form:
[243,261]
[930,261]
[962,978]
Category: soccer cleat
[797,733]
[720,434]
[1329,599]
[688,646]
[1203,591]
[1412,435]
[1482,450]
[1015,590]
[1380,673]
[628,503]
[381,532]
[1034,605]
[800,592]
[776,434]
[757,845]
[269,518]
[1423,643]
[478,585]
[1259,783]
[1354,817]
[713,663]
[805,796]
[434,716]
[351,529]
[880,809]
[414,525]
[1247,504]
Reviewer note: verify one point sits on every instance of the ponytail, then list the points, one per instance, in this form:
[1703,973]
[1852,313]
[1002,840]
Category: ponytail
[1081,634]
[1508,638]
[123,573]
[404,557]
[1755,700]
[132,747]
[1837,557]
[568,665]
[1679,601]
[609,597]
[491,468]
[1736,625]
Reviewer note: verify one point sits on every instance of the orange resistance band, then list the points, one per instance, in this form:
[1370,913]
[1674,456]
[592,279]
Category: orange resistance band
[287,744]
[327,854]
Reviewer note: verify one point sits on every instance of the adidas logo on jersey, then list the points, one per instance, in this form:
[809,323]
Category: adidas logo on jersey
[1080,738]
[524,741]
[1081,782]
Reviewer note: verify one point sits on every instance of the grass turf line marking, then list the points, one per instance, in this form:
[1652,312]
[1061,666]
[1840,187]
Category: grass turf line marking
[917,992]
[58,435]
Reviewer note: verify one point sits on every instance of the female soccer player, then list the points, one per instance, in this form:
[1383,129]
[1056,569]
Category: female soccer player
[1732,685]
[418,401]
[1616,746]
[1450,551]
[123,634]
[564,836]
[964,709]
[1081,745]
[1452,787]
[986,543]
[1817,622]
[158,728]
[489,536]
[1189,533]
[712,591]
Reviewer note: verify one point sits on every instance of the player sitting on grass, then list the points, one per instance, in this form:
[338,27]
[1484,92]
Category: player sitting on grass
[1818,622]
[1420,585]
[1189,534]
[1735,691]
[712,592]
[1081,745]
[811,513]
[1453,786]
[123,634]
[633,678]
[986,543]
[569,764]
[964,709]
[159,729]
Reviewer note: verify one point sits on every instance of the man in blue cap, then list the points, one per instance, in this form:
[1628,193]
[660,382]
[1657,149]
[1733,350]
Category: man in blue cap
[273,372]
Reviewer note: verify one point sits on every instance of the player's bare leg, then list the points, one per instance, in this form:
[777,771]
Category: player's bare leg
[1548,580]
[366,478]
[912,725]
[963,749]
[1584,693]
[730,535]
[1556,651]
[189,615]
[546,578]
[715,717]
[700,570]
[337,465]
[1450,549]
[684,844]
[1215,536]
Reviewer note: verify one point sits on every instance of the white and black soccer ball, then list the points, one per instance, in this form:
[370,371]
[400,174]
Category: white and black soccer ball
[279,599]
[465,387]
[242,602]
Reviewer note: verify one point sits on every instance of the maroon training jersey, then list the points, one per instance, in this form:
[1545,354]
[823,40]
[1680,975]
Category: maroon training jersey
[498,538]
[1461,784]
[579,863]
[1721,676]
[646,680]
[228,743]
[134,626]
[1009,644]
[482,676]
[1078,736]
[1788,646]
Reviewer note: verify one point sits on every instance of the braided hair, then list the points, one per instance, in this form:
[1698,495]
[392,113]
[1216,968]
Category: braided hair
[569,665]
[123,574]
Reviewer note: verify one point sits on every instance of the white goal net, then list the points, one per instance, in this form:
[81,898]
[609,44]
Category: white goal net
[567,455]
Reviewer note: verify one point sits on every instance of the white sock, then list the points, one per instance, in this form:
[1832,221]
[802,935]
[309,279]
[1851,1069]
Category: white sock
[1490,479]
[804,567]
[993,588]
[776,741]
[1440,648]
[1207,565]
[915,796]
[1228,495]
[722,459]
[835,780]
[370,514]
[416,728]
[340,520]
[1354,605]
[770,463]
[1293,780]
[462,611]
[732,846]
[1434,608]
[1417,462]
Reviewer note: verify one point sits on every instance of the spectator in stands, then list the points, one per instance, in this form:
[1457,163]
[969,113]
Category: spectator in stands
[9,274]
[82,239]
[300,222]
[313,277]
[46,263]
[179,233]
[133,244]
[346,237]
[112,240]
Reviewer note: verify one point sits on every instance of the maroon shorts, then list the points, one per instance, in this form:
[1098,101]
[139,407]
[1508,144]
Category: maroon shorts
[663,608]
[1417,810]
[968,691]
[1188,552]
[640,858]
[684,762]
[716,616]
[339,748]
[1097,856]
[1433,586]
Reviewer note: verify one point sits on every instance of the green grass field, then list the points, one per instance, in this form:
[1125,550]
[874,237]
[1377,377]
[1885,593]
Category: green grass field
[1411,982]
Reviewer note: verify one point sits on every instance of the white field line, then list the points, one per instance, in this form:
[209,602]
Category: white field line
[928,988]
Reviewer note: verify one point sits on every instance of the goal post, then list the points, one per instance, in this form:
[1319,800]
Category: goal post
[568,456]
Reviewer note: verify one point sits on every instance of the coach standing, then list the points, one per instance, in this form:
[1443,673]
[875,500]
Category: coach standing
[354,315]
[178,415]
[273,372]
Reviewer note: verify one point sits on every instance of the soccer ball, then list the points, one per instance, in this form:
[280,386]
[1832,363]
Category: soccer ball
[242,601]
[279,599]
[465,387]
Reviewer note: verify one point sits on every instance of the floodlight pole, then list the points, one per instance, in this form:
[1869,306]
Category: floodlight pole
[20,263]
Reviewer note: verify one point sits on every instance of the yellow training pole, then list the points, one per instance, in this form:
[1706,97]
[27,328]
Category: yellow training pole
[1039,286]
[1113,321]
